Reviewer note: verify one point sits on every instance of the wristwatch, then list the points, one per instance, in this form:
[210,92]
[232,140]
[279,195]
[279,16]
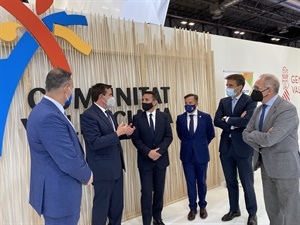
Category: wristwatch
[224,118]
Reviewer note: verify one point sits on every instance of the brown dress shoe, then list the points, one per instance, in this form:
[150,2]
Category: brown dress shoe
[203,213]
[192,214]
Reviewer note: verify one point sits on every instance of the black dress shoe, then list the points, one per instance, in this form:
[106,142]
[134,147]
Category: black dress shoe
[252,220]
[229,216]
[203,213]
[192,214]
[158,222]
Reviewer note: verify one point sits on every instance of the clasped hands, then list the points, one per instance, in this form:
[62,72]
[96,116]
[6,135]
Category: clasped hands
[154,154]
[125,128]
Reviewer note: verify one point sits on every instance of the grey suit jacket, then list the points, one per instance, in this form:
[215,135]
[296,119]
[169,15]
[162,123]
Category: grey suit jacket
[279,146]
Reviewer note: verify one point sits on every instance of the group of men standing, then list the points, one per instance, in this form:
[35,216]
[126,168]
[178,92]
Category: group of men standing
[58,166]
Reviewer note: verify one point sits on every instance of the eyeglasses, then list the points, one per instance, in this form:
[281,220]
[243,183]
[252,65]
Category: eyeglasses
[255,88]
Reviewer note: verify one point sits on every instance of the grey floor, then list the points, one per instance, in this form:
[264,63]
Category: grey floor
[217,206]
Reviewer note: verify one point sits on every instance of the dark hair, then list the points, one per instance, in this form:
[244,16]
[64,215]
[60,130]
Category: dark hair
[57,78]
[98,89]
[154,97]
[239,78]
[192,95]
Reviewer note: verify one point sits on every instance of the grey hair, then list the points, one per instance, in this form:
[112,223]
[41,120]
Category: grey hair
[57,78]
[271,81]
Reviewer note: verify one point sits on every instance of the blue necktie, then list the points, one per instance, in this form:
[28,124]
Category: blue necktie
[110,120]
[191,127]
[233,103]
[151,124]
[262,116]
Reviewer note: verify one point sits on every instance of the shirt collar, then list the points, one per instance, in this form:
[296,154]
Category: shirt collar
[58,105]
[193,113]
[271,101]
[153,113]
[102,109]
[238,97]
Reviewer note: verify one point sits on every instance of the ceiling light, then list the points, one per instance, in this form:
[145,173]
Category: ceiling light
[236,32]
[242,33]
[275,39]
[191,23]
[183,22]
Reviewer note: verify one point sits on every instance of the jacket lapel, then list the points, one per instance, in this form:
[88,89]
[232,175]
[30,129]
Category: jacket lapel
[271,113]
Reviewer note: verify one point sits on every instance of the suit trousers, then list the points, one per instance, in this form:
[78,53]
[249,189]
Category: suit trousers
[108,202]
[231,163]
[195,176]
[152,189]
[282,199]
[68,220]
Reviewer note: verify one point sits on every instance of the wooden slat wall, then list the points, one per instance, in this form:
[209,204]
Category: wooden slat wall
[125,55]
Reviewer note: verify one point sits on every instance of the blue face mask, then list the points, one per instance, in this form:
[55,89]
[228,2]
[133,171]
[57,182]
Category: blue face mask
[190,108]
[230,92]
[69,100]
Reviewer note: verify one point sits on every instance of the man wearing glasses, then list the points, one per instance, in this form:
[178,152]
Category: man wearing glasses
[273,133]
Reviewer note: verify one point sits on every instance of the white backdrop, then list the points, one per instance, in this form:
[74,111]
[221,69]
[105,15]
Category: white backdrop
[149,11]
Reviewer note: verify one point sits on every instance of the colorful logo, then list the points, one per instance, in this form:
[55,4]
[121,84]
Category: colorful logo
[285,83]
[40,32]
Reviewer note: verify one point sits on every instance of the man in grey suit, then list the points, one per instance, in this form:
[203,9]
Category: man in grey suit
[273,133]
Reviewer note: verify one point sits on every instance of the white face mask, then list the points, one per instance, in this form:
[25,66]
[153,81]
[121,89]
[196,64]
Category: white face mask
[110,102]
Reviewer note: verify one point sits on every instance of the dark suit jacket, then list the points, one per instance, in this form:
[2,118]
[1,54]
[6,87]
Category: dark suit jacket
[144,141]
[58,167]
[197,144]
[244,103]
[103,148]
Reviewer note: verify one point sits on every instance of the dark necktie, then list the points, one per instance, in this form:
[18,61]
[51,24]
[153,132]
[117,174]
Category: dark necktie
[191,127]
[110,119]
[262,116]
[151,124]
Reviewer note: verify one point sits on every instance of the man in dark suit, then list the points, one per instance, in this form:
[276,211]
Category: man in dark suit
[152,137]
[58,167]
[232,116]
[195,130]
[273,133]
[104,152]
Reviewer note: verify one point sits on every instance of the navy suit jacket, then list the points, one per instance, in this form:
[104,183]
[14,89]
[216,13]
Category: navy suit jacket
[58,167]
[244,103]
[196,145]
[144,141]
[103,148]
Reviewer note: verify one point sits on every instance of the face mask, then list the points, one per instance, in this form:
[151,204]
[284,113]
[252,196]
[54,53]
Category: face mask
[230,92]
[69,99]
[147,106]
[111,102]
[190,108]
[257,95]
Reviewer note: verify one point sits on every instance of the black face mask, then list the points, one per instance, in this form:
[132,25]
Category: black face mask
[147,106]
[257,95]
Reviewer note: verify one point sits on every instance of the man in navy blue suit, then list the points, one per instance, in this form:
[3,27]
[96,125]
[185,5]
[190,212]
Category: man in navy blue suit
[102,137]
[152,137]
[232,116]
[195,131]
[58,167]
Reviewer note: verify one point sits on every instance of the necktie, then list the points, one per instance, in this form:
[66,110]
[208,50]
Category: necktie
[233,102]
[151,124]
[110,119]
[262,116]
[191,127]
